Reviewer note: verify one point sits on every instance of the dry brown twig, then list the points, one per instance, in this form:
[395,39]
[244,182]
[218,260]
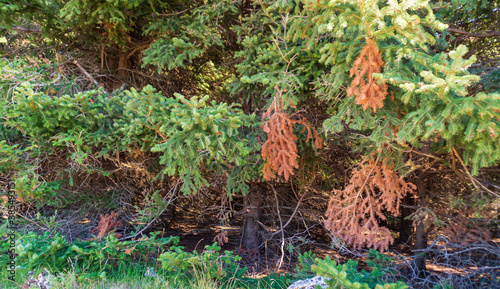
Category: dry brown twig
[107,223]
[471,266]
[75,63]
[474,182]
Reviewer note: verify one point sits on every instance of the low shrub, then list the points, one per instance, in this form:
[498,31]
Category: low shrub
[89,258]
[211,263]
[108,257]
[347,276]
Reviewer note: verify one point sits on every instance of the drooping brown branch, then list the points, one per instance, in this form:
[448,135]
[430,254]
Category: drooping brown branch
[368,92]
[353,213]
[280,151]
[221,238]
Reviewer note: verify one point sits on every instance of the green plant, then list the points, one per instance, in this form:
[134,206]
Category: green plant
[271,281]
[191,136]
[90,258]
[305,261]
[127,276]
[391,88]
[210,263]
[382,266]
[347,276]
[446,284]
[8,157]
[386,79]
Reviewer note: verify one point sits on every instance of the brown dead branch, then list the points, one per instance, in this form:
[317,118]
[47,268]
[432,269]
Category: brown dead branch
[353,213]
[280,151]
[107,223]
[75,63]
[368,91]
[485,34]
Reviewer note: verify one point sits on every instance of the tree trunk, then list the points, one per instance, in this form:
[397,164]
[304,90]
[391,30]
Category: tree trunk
[251,234]
[122,66]
[121,71]
[420,243]
[420,234]
[405,225]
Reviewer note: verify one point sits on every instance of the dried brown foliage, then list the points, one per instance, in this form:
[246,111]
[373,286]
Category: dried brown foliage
[353,213]
[368,92]
[107,223]
[221,238]
[280,152]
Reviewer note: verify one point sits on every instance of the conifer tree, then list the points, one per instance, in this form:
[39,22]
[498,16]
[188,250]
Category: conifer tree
[397,81]
[383,72]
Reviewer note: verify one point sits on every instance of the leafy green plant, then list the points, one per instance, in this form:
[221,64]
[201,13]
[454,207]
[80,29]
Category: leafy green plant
[205,135]
[391,78]
[9,155]
[305,261]
[377,67]
[211,263]
[347,276]
[382,266]
[91,258]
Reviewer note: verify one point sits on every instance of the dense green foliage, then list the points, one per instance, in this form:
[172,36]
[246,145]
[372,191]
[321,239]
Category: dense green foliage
[100,259]
[347,275]
[310,51]
[89,123]
[180,264]
[428,89]
[154,101]
[90,258]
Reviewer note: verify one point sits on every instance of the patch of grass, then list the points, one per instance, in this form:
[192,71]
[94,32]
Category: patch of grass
[132,277]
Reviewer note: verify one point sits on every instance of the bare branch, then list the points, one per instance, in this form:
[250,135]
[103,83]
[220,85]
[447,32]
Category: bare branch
[492,33]
[144,46]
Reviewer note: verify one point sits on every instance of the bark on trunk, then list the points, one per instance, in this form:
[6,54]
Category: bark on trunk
[121,71]
[420,234]
[122,66]
[420,243]
[251,234]
[405,226]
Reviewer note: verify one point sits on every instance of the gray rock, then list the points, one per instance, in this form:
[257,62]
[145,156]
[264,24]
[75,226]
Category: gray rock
[310,283]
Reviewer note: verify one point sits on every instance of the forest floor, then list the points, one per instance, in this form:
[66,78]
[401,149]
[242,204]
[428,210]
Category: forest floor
[196,236]
[193,237]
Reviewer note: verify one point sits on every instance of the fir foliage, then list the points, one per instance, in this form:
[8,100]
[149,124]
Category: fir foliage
[390,78]
[191,135]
